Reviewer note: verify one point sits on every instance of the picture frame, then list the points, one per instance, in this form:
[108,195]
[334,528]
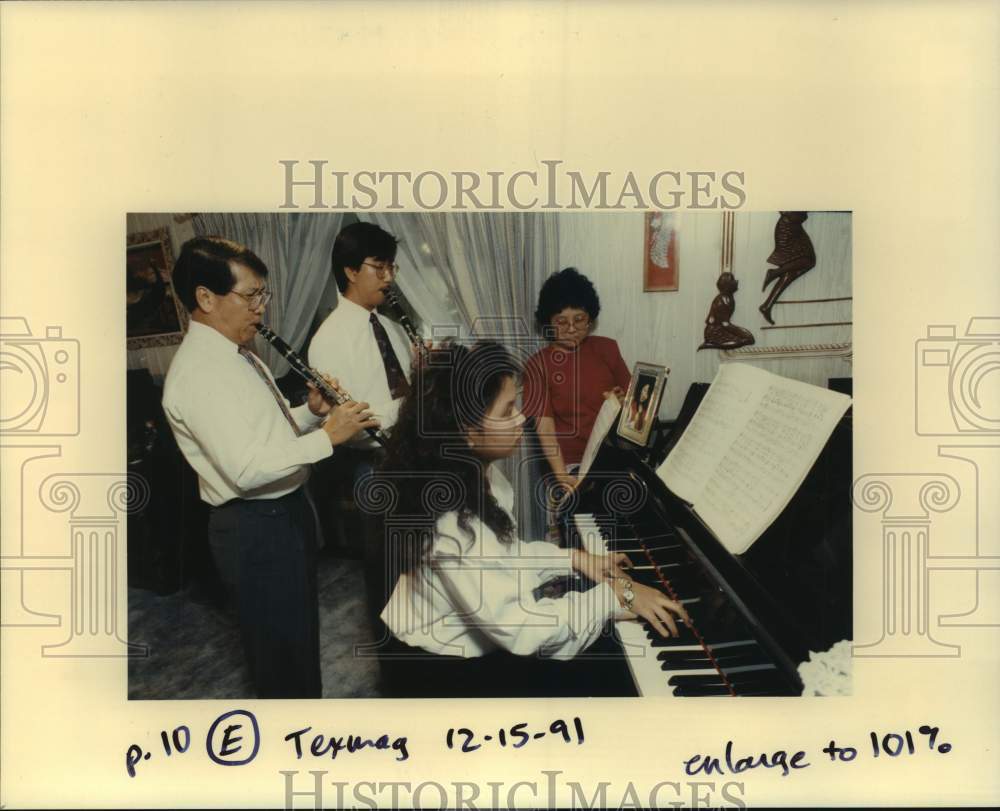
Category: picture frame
[642,402]
[154,316]
[661,271]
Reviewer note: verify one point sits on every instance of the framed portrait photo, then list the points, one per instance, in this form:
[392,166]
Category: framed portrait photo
[642,402]
[153,314]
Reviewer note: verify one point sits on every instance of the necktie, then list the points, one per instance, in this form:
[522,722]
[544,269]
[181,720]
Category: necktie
[398,387]
[270,384]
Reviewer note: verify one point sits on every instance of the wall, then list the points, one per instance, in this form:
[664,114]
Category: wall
[667,327]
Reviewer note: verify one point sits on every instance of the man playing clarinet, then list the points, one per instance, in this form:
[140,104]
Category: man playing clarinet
[252,453]
[370,354]
[372,357]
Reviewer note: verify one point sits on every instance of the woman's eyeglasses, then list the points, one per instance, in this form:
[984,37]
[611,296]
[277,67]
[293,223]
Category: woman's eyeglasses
[579,322]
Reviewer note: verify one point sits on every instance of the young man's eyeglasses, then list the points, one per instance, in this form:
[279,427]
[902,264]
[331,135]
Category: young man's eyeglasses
[383,269]
[256,299]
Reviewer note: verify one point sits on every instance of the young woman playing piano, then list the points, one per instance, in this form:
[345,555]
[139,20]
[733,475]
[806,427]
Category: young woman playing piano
[566,383]
[467,614]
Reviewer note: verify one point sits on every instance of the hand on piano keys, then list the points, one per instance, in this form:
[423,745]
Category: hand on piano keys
[600,567]
[713,654]
[652,604]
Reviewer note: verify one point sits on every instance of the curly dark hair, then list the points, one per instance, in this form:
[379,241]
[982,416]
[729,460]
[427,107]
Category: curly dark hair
[566,288]
[429,467]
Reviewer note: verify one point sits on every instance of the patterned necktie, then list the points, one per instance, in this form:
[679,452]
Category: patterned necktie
[398,387]
[270,384]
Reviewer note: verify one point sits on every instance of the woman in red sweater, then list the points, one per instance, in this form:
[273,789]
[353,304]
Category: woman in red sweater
[566,383]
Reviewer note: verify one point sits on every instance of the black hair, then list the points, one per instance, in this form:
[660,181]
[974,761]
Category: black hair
[566,288]
[357,242]
[429,465]
[206,262]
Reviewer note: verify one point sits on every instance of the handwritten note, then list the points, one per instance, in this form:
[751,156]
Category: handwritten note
[926,739]
[234,738]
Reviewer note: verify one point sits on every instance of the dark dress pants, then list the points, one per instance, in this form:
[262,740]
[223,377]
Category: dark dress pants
[266,553]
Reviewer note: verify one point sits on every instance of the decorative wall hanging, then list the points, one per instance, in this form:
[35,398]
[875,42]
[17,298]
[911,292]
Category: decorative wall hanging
[153,314]
[660,269]
[793,254]
[720,332]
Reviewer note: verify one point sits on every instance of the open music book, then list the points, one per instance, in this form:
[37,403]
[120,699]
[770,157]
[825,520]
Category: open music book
[605,420]
[748,448]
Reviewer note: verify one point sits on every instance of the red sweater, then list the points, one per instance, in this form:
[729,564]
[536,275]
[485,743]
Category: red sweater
[567,385]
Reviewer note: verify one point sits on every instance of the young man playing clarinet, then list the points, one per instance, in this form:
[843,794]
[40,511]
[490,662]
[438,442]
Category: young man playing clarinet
[371,356]
[252,453]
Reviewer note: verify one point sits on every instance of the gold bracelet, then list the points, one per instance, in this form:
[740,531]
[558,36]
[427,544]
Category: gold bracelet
[628,596]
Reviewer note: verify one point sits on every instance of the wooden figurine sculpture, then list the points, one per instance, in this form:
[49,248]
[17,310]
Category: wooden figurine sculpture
[793,254]
[719,332]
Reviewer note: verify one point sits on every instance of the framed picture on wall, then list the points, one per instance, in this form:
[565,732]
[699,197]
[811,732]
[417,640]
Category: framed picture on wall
[153,314]
[660,270]
[642,402]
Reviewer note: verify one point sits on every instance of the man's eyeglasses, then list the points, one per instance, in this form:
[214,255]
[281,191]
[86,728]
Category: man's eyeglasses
[579,322]
[382,270]
[256,299]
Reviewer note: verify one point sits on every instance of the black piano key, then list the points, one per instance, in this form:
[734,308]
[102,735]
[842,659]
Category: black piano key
[748,655]
[684,637]
[703,664]
[768,680]
[697,691]
[685,664]
[752,679]
[756,680]
[647,576]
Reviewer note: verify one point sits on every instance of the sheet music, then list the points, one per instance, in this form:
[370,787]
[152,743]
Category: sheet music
[605,419]
[717,423]
[740,462]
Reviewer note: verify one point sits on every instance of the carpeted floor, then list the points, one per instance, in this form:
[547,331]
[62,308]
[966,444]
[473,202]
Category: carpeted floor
[194,645]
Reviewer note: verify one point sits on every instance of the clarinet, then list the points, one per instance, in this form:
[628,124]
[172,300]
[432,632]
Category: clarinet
[411,331]
[314,377]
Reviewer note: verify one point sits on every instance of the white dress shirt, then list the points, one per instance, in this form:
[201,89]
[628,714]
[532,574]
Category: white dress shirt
[474,595]
[229,425]
[344,347]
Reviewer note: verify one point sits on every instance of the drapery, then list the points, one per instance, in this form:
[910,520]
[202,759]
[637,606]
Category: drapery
[483,270]
[296,249]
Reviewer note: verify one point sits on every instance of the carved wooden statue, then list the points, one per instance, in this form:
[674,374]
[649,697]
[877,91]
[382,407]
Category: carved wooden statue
[793,254]
[719,332]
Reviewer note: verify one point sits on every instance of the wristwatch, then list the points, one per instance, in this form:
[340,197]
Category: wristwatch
[628,596]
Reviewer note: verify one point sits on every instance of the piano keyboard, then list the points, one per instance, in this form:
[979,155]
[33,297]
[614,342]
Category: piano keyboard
[718,655]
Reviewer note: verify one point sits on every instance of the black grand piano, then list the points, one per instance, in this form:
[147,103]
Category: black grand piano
[754,617]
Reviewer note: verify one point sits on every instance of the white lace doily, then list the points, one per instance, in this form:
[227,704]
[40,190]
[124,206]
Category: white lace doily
[828,673]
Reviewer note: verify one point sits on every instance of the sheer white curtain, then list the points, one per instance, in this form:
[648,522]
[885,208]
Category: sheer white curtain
[421,280]
[296,249]
[480,274]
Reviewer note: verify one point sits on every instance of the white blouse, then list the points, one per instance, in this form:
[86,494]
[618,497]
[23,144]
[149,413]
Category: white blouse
[473,594]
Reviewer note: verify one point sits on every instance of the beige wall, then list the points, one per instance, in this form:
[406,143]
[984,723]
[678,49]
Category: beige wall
[667,328]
